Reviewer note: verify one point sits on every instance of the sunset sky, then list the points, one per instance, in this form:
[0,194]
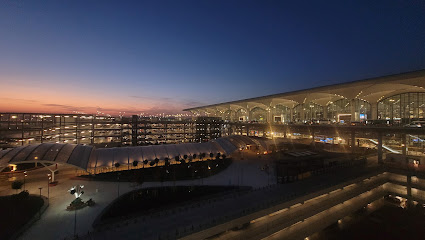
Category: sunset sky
[164,56]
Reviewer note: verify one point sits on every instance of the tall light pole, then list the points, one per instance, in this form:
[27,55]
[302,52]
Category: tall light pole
[119,184]
[25,174]
[49,177]
[77,192]
[39,210]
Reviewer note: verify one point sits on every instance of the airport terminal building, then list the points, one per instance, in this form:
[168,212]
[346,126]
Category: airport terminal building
[399,99]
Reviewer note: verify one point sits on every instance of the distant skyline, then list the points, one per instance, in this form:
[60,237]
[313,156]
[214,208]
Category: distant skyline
[163,56]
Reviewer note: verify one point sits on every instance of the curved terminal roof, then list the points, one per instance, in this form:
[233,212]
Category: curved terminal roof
[371,90]
[76,155]
[86,157]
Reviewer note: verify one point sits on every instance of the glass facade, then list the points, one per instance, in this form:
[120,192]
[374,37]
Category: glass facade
[241,115]
[259,114]
[308,111]
[404,107]
[362,109]
[341,106]
[281,114]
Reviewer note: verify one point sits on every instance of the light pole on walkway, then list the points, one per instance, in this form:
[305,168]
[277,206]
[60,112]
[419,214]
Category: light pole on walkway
[49,177]
[25,175]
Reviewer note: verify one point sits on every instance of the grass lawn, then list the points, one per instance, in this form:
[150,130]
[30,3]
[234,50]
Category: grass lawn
[16,211]
[174,172]
[148,200]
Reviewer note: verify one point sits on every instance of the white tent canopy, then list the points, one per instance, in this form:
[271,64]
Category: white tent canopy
[86,157]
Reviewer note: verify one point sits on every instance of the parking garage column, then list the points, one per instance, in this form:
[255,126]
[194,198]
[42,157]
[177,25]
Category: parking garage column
[380,161]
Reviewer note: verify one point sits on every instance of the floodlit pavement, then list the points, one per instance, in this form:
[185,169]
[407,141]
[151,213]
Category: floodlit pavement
[57,223]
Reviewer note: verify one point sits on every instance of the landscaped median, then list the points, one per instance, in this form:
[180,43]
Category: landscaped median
[185,170]
[19,212]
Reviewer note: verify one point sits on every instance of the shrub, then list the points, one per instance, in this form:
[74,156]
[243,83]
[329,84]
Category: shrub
[23,195]
[17,185]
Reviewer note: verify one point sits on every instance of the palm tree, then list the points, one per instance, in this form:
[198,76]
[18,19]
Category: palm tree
[223,156]
[177,158]
[145,162]
[166,161]
[156,161]
[211,155]
[194,156]
[135,163]
[117,165]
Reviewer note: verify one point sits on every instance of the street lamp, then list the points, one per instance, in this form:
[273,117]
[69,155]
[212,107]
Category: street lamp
[49,177]
[25,175]
[118,178]
[77,192]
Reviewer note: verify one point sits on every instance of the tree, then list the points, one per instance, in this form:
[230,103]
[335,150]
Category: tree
[135,163]
[17,185]
[156,161]
[211,155]
[117,165]
[177,158]
[223,156]
[166,161]
[194,156]
[145,162]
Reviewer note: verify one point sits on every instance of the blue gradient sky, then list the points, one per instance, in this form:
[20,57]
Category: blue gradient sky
[163,56]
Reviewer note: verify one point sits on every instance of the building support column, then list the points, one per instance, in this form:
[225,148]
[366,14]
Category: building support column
[380,161]
[325,112]
[270,116]
[374,110]
[353,110]
[52,171]
[302,116]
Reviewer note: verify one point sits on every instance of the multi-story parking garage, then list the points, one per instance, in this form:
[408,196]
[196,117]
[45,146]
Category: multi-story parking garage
[398,98]
[18,129]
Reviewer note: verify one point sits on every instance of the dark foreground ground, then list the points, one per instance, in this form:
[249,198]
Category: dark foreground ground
[390,222]
[15,211]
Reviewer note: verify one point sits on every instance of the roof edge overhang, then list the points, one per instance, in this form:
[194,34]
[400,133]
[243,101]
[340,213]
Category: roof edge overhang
[387,78]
